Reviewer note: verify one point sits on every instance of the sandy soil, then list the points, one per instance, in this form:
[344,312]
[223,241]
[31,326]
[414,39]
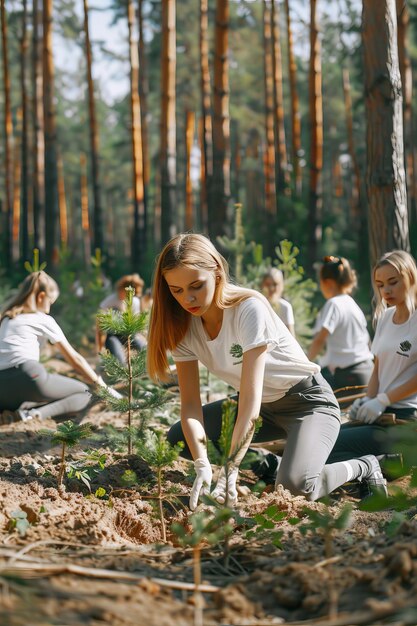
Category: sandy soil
[86,560]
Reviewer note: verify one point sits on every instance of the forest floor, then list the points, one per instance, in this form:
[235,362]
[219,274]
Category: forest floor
[85,560]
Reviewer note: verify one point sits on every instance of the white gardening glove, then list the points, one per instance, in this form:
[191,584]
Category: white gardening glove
[202,482]
[353,411]
[369,412]
[115,394]
[219,492]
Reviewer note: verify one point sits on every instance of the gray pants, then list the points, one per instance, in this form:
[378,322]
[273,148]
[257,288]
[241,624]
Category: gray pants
[30,385]
[309,417]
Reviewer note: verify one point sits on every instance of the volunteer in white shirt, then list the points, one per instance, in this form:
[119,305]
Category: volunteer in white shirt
[199,315]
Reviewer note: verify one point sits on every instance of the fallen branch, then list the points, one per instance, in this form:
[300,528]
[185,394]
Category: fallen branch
[35,569]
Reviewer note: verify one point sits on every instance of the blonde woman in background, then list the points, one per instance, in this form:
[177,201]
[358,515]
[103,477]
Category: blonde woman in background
[272,286]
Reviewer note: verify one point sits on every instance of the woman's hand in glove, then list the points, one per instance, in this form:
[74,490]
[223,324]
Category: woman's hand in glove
[371,410]
[353,411]
[219,493]
[202,482]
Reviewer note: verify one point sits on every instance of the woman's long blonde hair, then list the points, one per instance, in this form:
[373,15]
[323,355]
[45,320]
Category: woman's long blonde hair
[169,322]
[405,265]
[25,299]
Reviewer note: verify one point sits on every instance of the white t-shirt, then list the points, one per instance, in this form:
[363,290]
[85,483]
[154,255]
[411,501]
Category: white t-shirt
[21,337]
[395,345]
[250,324]
[284,311]
[112,301]
[348,340]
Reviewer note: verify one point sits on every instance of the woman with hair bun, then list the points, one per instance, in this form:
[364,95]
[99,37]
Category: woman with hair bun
[341,329]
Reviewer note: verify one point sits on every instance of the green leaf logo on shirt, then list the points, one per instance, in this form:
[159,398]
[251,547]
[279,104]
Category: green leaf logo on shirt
[236,351]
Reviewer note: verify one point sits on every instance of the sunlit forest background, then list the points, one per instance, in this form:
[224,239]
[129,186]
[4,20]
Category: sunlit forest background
[126,121]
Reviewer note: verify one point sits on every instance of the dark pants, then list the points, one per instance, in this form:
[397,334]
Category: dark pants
[356,440]
[308,416]
[357,375]
[116,345]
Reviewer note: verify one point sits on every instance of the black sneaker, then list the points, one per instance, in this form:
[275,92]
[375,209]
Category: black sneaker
[266,468]
[373,480]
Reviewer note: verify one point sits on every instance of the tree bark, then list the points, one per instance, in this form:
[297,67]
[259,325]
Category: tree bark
[316,138]
[38,134]
[189,141]
[295,107]
[24,243]
[51,172]
[138,238]
[85,218]
[98,228]
[168,122]
[144,111]
[270,189]
[282,174]
[385,175]
[403,20]
[206,118]
[8,143]
[220,196]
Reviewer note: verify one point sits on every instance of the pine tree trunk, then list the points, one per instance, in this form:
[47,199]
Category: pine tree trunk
[270,190]
[62,203]
[143,99]
[138,238]
[17,185]
[168,122]
[8,144]
[358,215]
[189,141]
[85,218]
[220,188]
[403,19]
[253,174]
[295,107]
[206,119]
[38,158]
[282,177]
[24,243]
[51,171]
[98,228]
[385,177]
[316,139]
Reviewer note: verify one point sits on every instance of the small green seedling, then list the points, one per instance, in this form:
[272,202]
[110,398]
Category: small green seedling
[156,450]
[68,434]
[264,525]
[19,521]
[327,524]
[206,527]
[35,266]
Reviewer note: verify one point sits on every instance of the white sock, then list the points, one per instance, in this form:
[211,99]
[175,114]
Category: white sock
[349,469]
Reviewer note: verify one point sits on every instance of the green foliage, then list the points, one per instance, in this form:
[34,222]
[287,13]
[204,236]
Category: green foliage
[210,527]
[143,397]
[35,266]
[237,246]
[264,525]
[19,521]
[129,478]
[69,434]
[327,523]
[155,449]
[92,463]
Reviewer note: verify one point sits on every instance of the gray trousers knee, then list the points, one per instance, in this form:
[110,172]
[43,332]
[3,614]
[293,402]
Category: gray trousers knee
[53,395]
[308,416]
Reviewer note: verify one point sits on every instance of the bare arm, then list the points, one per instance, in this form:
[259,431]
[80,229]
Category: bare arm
[291,328]
[191,409]
[373,383]
[77,361]
[250,398]
[318,343]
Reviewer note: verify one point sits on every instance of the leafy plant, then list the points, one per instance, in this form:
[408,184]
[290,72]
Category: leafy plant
[205,527]
[156,450]
[142,397]
[327,524]
[264,525]
[68,434]
[238,246]
[35,266]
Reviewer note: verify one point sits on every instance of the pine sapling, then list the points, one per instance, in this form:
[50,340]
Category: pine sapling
[68,434]
[142,396]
